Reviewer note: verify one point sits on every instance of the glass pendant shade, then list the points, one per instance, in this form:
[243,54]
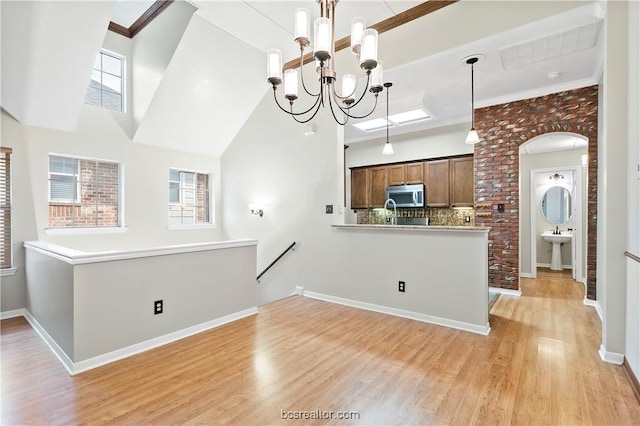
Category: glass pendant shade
[358,26]
[274,66]
[472,137]
[348,86]
[388,149]
[322,39]
[302,28]
[291,84]
[377,77]
[369,53]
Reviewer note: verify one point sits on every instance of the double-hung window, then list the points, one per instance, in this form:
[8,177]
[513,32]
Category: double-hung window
[5,210]
[189,198]
[84,193]
[106,87]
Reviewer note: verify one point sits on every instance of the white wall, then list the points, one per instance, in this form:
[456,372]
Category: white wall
[99,135]
[632,340]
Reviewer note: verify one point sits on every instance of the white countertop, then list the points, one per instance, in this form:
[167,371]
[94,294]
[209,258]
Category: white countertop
[428,228]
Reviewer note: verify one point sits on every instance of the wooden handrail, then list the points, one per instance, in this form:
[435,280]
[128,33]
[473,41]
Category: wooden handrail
[274,262]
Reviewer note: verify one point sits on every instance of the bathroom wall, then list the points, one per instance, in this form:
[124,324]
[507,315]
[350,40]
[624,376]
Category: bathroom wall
[551,160]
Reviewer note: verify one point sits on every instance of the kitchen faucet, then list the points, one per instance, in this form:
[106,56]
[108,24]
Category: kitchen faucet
[395,212]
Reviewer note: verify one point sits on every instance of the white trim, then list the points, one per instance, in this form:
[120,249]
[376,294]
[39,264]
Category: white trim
[190,227]
[86,230]
[459,325]
[48,340]
[7,272]
[76,257]
[610,357]
[299,291]
[100,360]
[594,304]
[438,228]
[526,275]
[506,291]
[15,313]
[548,265]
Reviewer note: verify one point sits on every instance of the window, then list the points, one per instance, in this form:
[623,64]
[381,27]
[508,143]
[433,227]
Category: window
[189,198]
[83,193]
[106,88]
[5,208]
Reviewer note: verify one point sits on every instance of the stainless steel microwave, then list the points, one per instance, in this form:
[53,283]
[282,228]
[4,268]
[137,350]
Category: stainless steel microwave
[407,195]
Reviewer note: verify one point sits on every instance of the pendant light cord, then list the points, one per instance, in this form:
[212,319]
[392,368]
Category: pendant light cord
[387,114]
[473,110]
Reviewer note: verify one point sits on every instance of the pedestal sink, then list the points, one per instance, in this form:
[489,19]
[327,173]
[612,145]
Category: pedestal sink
[556,253]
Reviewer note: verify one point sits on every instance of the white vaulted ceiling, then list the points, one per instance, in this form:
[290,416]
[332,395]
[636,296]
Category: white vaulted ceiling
[216,76]
[45,63]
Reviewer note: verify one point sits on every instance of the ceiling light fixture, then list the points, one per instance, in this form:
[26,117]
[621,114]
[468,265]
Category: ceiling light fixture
[388,148]
[472,136]
[364,44]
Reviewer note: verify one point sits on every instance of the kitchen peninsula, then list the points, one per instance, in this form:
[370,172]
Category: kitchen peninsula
[444,271]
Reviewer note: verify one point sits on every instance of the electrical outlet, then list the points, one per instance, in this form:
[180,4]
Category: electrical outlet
[467,219]
[157,307]
[328,209]
[401,286]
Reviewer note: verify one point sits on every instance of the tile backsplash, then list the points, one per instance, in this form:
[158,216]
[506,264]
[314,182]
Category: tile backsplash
[437,216]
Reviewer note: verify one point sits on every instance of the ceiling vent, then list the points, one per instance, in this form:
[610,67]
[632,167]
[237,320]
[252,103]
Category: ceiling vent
[552,46]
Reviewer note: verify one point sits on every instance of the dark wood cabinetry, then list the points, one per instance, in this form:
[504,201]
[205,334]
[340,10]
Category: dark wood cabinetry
[406,174]
[461,182]
[437,183]
[448,182]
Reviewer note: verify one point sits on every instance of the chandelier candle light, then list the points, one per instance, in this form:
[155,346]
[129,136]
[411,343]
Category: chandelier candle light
[364,45]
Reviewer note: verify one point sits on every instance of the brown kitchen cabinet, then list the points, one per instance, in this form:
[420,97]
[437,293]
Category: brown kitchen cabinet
[461,170]
[437,178]
[406,174]
[368,187]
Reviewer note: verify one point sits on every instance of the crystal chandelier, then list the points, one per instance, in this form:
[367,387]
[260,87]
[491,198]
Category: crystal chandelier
[364,45]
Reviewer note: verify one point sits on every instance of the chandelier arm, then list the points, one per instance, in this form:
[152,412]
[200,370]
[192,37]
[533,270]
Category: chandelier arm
[275,98]
[294,116]
[357,117]
[335,95]
[334,114]
[304,86]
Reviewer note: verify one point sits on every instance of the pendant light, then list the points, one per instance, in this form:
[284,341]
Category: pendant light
[472,136]
[388,149]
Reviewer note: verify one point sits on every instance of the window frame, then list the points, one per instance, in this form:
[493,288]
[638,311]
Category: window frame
[123,79]
[8,269]
[120,227]
[210,223]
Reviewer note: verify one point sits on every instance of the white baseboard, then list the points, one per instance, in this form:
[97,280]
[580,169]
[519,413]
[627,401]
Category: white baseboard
[548,265]
[100,360]
[12,314]
[55,348]
[459,325]
[594,304]
[299,290]
[506,291]
[610,357]
[526,275]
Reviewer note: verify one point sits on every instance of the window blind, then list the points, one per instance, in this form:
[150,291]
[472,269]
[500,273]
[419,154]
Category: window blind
[5,208]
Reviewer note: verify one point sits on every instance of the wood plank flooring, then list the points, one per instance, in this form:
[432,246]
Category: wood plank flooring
[539,365]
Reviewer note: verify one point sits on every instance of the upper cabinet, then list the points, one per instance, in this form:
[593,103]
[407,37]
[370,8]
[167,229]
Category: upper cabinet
[437,183]
[369,187]
[448,182]
[461,182]
[406,174]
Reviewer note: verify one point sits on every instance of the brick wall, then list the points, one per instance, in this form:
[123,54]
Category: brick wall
[98,198]
[502,129]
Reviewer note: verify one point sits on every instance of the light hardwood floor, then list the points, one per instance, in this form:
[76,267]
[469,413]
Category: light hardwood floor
[539,365]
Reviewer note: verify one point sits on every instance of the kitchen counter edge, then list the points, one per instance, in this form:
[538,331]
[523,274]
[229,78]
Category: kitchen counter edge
[414,227]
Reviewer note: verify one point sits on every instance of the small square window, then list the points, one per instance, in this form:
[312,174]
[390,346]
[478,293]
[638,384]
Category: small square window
[189,198]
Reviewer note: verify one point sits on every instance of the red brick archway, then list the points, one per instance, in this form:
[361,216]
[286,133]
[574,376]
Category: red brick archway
[502,129]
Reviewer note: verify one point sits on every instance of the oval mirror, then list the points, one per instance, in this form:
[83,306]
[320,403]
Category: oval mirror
[556,205]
